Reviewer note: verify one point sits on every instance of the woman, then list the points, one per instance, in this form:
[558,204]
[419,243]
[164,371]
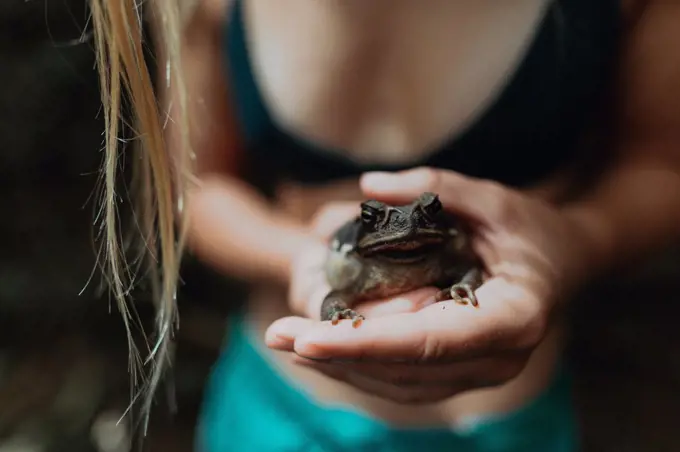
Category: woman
[291,104]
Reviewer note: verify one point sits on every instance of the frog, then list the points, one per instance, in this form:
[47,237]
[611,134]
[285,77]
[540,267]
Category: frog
[387,250]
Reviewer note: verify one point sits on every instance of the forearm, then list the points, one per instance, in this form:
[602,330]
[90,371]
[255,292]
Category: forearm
[230,226]
[634,210]
[234,229]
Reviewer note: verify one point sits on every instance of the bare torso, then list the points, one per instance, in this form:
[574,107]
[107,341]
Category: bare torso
[388,80]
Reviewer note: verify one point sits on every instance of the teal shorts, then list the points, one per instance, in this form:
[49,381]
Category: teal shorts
[249,406]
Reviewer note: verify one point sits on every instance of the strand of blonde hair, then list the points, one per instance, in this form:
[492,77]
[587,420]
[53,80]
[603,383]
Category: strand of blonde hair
[159,178]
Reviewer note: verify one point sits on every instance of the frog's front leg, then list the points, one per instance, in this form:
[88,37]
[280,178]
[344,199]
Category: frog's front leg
[336,306]
[463,292]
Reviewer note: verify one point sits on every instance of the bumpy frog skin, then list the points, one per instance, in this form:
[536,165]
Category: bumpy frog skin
[389,250]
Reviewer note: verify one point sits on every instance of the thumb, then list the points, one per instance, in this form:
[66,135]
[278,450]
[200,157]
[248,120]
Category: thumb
[331,216]
[479,200]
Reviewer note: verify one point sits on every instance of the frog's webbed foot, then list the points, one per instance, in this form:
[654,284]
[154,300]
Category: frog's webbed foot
[461,293]
[350,314]
[464,291]
[335,308]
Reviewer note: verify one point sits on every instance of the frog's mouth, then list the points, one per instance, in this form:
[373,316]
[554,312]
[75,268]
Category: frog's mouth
[405,252]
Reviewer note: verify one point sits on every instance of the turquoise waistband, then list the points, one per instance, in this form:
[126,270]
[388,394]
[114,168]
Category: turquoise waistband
[250,406]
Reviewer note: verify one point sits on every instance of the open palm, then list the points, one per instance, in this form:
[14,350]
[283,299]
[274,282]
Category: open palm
[414,351]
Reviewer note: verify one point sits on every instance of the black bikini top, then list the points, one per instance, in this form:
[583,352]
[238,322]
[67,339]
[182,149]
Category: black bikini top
[529,130]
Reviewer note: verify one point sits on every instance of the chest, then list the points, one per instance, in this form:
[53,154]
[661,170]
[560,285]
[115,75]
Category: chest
[389,81]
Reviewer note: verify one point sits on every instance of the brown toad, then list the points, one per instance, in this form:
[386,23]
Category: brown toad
[388,250]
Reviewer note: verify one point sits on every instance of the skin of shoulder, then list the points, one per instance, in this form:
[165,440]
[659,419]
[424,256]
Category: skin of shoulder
[649,80]
[214,135]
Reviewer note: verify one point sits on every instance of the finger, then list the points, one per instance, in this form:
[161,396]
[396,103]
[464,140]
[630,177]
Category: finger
[483,372]
[411,395]
[444,331]
[282,333]
[480,200]
[308,286]
[408,302]
[331,216]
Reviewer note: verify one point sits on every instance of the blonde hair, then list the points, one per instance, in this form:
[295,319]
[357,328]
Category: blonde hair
[159,178]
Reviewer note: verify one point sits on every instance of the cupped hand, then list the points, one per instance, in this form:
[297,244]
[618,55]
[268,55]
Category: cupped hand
[424,352]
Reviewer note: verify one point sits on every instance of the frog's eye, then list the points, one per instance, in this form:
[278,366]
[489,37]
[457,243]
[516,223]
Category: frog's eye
[371,211]
[431,204]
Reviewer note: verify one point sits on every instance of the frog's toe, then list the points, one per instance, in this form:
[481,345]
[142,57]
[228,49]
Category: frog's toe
[463,294]
[357,319]
[348,314]
[459,299]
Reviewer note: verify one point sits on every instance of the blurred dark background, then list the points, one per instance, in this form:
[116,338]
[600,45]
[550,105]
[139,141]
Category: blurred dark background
[63,355]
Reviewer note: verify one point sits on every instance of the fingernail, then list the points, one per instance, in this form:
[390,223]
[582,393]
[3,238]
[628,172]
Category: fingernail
[404,180]
[311,352]
[314,345]
[279,330]
[276,341]
[281,344]
[290,327]
[379,180]
[281,334]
